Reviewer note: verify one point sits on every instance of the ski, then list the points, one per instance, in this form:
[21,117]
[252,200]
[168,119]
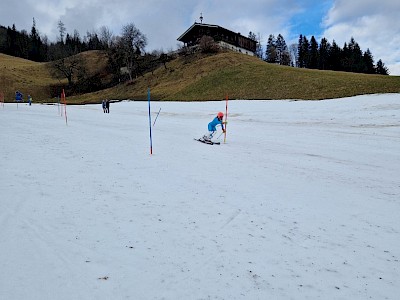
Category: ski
[207,142]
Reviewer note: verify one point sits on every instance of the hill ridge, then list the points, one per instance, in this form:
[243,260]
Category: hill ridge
[210,77]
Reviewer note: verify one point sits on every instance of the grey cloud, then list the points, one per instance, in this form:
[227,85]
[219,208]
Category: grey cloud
[373,26]
[164,21]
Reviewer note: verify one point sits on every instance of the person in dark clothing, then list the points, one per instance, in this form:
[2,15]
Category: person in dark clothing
[19,97]
[103,104]
[107,106]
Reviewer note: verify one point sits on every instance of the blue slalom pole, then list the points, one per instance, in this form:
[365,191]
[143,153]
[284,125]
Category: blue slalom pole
[151,140]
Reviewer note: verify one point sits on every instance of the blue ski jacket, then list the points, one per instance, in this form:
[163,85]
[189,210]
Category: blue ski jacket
[214,123]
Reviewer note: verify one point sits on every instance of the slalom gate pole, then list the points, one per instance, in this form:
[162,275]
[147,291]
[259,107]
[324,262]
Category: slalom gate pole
[226,117]
[151,140]
[156,117]
[2,99]
[58,105]
[65,106]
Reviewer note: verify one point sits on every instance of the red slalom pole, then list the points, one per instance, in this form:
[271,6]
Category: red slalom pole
[226,117]
[2,98]
[65,106]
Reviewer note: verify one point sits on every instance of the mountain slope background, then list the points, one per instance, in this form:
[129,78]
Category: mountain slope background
[199,77]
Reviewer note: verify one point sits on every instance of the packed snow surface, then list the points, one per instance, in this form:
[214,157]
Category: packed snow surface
[302,201]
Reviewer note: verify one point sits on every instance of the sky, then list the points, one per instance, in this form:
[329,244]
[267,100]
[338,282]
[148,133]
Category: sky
[374,25]
[300,202]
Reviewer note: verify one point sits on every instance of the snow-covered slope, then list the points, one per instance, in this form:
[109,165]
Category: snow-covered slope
[301,202]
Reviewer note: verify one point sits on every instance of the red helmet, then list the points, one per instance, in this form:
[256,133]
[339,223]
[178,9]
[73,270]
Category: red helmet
[220,115]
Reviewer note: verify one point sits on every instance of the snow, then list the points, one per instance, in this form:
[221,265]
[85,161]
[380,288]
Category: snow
[301,202]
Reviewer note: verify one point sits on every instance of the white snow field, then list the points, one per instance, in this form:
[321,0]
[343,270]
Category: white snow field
[301,202]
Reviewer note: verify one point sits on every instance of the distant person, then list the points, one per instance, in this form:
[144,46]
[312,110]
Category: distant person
[103,104]
[30,100]
[19,96]
[212,126]
[107,106]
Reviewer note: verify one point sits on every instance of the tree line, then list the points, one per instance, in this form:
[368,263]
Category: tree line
[37,48]
[126,56]
[323,56]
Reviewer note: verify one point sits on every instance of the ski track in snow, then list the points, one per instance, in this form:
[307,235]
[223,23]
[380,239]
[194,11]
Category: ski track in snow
[302,201]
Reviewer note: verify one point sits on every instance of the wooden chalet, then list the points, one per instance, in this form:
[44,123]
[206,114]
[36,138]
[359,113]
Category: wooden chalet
[225,38]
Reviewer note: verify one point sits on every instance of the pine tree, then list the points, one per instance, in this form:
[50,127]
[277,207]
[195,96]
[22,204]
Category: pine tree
[344,58]
[323,54]
[282,51]
[34,43]
[258,52]
[306,52]
[11,41]
[355,59]
[93,41]
[300,53]
[328,56]
[334,57]
[69,45]
[252,36]
[313,56]
[271,53]
[368,62]
[381,68]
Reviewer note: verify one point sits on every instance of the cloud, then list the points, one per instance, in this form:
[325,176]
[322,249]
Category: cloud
[374,26]
[262,17]
[161,21]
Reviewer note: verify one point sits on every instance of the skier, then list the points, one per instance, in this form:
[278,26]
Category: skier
[19,97]
[103,104]
[212,127]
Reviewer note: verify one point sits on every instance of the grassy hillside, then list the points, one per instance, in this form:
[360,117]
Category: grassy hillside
[202,77]
[35,79]
[24,75]
[244,77]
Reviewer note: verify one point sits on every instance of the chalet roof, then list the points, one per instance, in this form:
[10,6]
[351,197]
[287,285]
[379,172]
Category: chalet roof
[183,38]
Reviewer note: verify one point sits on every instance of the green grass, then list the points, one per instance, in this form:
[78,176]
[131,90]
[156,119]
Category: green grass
[244,77]
[259,80]
[34,78]
[204,78]
[26,76]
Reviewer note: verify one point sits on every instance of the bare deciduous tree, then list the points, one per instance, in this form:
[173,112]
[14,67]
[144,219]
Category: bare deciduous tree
[132,44]
[67,68]
[208,45]
[106,36]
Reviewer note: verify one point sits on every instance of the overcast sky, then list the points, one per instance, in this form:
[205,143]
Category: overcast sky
[373,24]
